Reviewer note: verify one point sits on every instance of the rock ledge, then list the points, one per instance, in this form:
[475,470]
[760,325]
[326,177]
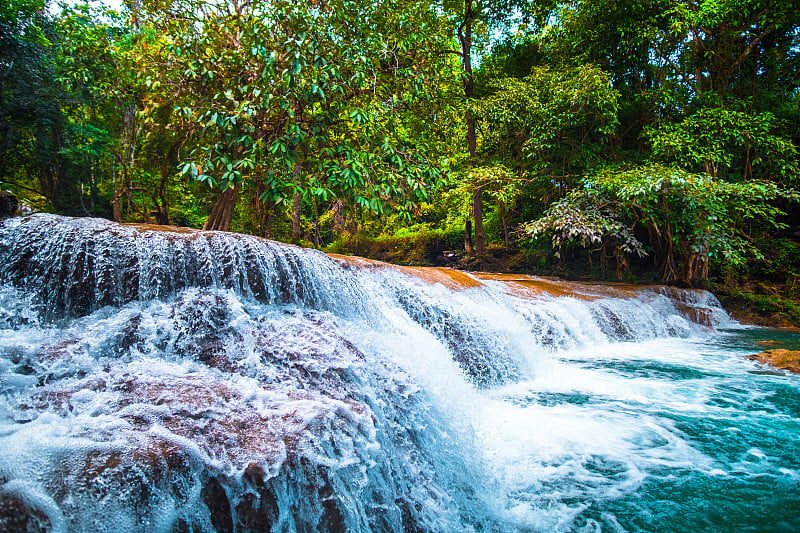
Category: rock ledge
[779,358]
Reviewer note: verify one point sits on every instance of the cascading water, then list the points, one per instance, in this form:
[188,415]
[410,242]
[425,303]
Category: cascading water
[167,381]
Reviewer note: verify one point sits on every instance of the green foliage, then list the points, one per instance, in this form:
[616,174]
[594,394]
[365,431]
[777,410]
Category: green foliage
[720,141]
[30,117]
[65,97]
[623,129]
[779,310]
[586,218]
[553,122]
[688,217]
[498,180]
[414,246]
[273,84]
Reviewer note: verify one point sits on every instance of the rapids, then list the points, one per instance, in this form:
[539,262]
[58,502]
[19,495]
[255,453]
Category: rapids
[167,380]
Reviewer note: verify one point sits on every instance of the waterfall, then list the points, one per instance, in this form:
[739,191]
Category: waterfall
[77,266]
[161,379]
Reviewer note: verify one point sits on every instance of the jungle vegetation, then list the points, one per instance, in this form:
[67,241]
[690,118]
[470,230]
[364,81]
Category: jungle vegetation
[658,137]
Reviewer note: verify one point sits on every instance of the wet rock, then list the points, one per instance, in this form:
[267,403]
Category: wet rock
[203,325]
[699,315]
[779,358]
[19,515]
[768,342]
[25,506]
[257,509]
[456,332]
[8,204]
[76,266]
[184,435]
[216,499]
[288,435]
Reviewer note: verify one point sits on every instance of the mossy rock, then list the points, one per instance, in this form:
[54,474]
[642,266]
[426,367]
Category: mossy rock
[8,204]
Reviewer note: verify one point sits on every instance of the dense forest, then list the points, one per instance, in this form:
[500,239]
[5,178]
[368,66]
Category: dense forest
[621,140]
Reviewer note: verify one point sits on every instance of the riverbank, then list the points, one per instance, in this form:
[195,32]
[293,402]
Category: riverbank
[750,305]
[760,300]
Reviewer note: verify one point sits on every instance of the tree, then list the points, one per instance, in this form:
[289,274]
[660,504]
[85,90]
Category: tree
[496,181]
[554,123]
[94,68]
[68,100]
[688,218]
[722,40]
[598,224]
[301,100]
[689,116]
[473,20]
[727,143]
[31,122]
[669,59]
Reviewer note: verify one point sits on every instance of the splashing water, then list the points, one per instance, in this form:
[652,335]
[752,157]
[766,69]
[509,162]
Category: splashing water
[194,381]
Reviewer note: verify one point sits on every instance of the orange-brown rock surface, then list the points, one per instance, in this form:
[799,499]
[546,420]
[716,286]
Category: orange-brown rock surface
[779,358]
[537,287]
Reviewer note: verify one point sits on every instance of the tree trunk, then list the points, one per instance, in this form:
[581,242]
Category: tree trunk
[297,204]
[316,223]
[116,199]
[297,213]
[465,37]
[116,206]
[698,67]
[472,137]
[468,235]
[477,214]
[162,215]
[221,215]
[339,222]
[504,219]
[259,208]
[125,161]
[93,197]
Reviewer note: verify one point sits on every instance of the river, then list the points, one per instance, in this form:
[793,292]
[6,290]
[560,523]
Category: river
[174,380]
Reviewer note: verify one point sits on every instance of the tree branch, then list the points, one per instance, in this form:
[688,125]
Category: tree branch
[748,50]
[40,193]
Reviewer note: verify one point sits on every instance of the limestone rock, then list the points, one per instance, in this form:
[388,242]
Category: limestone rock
[779,358]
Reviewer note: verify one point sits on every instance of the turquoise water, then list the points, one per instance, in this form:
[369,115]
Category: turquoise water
[678,435]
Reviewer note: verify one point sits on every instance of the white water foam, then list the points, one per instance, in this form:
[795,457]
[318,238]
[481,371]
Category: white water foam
[329,398]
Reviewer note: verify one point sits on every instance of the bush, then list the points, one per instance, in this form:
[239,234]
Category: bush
[405,247]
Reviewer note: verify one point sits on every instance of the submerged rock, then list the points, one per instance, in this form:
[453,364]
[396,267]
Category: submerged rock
[207,413]
[779,358]
[768,342]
